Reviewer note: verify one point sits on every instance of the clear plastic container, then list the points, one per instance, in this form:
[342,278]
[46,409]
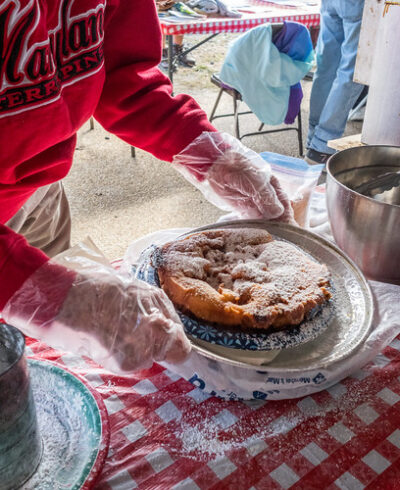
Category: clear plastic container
[298,179]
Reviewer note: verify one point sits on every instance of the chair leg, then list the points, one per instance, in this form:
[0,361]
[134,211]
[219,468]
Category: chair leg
[133,152]
[261,126]
[236,117]
[216,105]
[91,123]
[300,133]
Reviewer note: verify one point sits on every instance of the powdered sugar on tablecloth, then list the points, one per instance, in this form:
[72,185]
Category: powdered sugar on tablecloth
[206,439]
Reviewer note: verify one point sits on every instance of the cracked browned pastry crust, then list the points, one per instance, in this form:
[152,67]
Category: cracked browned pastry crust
[241,277]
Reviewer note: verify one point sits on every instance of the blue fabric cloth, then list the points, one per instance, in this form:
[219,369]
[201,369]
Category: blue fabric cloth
[333,92]
[262,74]
[294,40]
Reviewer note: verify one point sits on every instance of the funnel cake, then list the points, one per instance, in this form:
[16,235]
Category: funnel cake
[241,277]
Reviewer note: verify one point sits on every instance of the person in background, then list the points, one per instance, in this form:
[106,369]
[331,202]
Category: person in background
[62,62]
[196,8]
[186,60]
[333,93]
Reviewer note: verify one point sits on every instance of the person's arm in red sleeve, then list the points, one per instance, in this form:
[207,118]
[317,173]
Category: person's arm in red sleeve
[120,322]
[18,260]
[136,102]
[136,105]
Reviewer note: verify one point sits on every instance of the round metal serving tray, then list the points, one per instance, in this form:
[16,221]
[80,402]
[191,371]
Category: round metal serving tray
[353,312]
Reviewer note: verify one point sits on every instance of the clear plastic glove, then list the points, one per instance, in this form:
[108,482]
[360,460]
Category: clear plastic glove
[120,322]
[234,178]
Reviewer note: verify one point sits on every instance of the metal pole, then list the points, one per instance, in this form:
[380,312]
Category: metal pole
[170,57]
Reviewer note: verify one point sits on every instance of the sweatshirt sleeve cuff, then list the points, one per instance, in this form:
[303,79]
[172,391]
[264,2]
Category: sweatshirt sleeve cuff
[21,261]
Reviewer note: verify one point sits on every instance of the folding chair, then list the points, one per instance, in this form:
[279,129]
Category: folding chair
[237,98]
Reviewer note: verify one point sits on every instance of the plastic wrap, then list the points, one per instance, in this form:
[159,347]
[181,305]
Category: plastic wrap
[233,177]
[297,179]
[87,307]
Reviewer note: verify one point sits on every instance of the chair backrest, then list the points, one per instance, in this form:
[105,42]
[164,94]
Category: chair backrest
[276,28]
[264,74]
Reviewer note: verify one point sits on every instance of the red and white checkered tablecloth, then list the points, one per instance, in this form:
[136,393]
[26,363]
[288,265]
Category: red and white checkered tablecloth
[168,434]
[263,13]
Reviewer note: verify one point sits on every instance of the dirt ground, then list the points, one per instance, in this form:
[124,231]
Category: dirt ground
[115,198]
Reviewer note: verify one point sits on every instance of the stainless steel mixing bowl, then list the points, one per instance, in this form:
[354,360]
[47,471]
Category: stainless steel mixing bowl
[367,229]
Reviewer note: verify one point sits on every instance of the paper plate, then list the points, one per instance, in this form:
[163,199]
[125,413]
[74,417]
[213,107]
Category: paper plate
[74,428]
[315,323]
[352,302]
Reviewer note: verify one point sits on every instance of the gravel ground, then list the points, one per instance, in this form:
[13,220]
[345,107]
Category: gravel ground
[115,198]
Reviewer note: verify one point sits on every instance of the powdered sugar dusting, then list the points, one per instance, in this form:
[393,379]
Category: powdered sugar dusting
[69,443]
[256,281]
[211,256]
[202,439]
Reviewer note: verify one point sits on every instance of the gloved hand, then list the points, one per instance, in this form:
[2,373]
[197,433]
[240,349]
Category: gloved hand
[121,323]
[233,177]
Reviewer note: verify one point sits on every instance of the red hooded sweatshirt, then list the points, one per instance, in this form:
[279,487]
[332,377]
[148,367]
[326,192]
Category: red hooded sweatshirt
[62,61]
